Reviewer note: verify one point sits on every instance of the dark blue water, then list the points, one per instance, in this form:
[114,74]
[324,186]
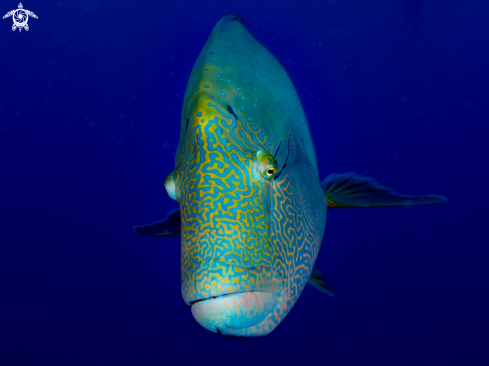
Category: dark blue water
[90,101]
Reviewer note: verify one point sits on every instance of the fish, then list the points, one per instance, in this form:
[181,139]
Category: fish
[252,209]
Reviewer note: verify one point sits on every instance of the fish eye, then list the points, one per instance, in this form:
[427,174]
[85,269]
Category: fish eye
[170,187]
[269,173]
[266,164]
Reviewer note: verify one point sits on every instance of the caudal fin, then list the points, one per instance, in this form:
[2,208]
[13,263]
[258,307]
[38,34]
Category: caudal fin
[353,190]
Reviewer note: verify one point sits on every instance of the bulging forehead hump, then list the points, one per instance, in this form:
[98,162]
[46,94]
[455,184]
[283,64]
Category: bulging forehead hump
[235,70]
[220,94]
[230,109]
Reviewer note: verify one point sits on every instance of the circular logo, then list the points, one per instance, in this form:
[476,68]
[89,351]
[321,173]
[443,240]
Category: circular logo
[20,18]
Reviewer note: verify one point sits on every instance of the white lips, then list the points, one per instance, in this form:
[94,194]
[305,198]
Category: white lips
[234,311]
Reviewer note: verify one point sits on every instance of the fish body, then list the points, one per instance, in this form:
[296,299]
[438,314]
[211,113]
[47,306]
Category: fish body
[242,233]
[252,208]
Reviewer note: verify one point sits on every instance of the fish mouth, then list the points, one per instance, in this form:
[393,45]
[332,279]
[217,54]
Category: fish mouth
[219,296]
[230,300]
[236,311]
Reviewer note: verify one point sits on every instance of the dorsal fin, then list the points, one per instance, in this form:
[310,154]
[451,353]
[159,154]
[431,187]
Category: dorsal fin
[224,22]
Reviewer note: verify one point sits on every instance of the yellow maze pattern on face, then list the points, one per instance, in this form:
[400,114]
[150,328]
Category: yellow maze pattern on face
[297,233]
[230,213]
[224,200]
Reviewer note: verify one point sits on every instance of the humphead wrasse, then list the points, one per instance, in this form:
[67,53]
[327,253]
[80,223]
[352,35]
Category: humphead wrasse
[252,208]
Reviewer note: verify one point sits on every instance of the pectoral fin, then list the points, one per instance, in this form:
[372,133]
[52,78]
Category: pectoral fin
[352,190]
[168,227]
[320,282]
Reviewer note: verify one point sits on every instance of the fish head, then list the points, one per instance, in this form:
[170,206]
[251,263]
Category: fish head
[252,210]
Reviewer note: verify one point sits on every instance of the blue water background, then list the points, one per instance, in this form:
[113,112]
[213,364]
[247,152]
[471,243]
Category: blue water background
[90,103]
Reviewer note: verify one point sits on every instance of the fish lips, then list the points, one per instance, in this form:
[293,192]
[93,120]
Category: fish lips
[226,297]
[238,311]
